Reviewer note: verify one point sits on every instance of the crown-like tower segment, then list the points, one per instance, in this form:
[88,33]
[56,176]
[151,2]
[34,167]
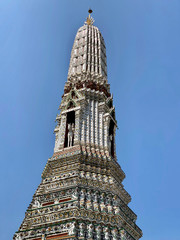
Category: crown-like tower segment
[81,195]
[88,93]
[88,54]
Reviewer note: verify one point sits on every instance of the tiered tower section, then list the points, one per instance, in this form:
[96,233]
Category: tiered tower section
[81,195]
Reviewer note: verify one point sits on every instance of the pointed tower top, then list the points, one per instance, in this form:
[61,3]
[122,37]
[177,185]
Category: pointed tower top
[88,55]
[89,20]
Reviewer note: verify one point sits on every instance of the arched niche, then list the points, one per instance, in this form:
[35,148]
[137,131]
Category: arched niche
[70,128]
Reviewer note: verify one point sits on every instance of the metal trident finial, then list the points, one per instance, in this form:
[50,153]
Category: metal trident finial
[89,20]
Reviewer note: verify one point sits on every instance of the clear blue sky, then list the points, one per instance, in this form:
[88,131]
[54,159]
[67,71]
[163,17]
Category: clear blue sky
[143,53]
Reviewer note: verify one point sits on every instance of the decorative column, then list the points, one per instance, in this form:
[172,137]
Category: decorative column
[77,126]
[106,134]
[96,125]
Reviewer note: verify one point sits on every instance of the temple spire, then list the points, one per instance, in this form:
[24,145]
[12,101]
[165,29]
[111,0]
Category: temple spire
[88,55]
[81,195]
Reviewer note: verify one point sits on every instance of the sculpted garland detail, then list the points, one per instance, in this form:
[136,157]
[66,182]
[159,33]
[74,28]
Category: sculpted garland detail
[81,195]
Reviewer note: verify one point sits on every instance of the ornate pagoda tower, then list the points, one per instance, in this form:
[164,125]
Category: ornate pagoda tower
[81,195]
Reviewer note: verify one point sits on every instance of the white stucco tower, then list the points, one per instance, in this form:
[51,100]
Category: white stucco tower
[87,93]
[81,195]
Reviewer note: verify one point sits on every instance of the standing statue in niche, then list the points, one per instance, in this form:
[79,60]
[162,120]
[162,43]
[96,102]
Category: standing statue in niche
[70,134]
[43,237]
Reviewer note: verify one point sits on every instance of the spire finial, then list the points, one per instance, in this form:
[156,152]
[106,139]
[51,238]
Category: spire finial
[89,20]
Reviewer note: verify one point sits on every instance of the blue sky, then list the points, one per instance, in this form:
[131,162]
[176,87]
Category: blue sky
[143,54]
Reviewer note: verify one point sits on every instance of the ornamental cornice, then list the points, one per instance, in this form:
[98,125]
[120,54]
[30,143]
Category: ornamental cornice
[84,215]
[60,160]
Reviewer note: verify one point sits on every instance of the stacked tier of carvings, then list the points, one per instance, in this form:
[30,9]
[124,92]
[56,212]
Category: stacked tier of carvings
[81,230]
[87,199]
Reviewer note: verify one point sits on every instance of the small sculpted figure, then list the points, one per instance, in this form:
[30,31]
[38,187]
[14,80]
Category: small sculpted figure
[116,210]
[111,180]
[102,206]
[114,234]
[81,229]
[72,230]
[94,176]
[95,197]
[82,198]
[98,232]
[95,201]
[88,175]
[70,134]
[88,197]
[123,235]
[56,201]
[105,178]
[81,203]
[102,197]
[90,231]
[82,194]
[115,200]
[43,237]
[106,233]
[109,208]
[88,205]
[95,205]
[99,177]
[36,204]
[82,174]
[75,194]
